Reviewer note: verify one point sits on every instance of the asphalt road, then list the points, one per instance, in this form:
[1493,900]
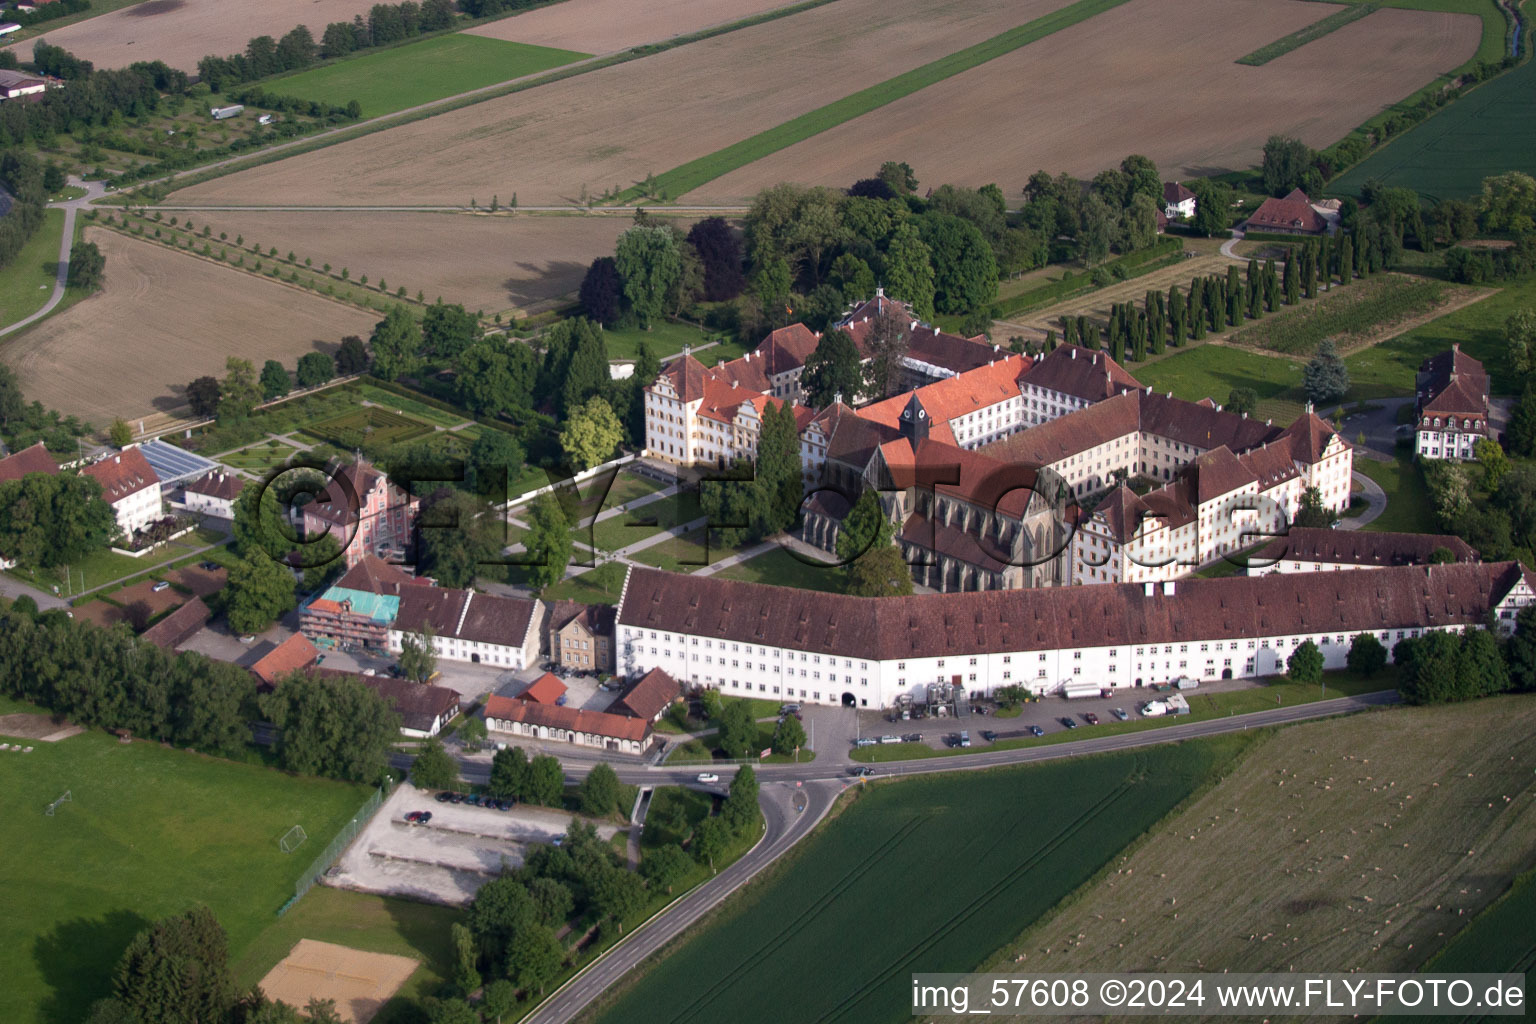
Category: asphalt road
[817,785]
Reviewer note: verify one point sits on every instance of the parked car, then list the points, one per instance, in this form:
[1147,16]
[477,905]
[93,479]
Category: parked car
[989,735]
[786,709]
[444,797]
[423,817]
[708,777]
[158,587]
[1035,730]
[248,639]
[1119,713]
[412,816]
[912,737]
[1070,723]
[473,799]
[210,566]
[861,771]
[1091,718]
[457,798]
[965,738]
[864,741]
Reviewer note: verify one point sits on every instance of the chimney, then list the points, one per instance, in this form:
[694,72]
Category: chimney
[1074,353]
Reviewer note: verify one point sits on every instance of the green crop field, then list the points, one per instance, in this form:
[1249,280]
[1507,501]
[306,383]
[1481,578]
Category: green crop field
[148,832]
[1346,314]
[931,874]
[407,76]
[1490,130]
[681,180]
[1301,37]
[369,423]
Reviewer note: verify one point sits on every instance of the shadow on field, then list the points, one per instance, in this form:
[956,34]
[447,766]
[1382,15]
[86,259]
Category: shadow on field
[76,960]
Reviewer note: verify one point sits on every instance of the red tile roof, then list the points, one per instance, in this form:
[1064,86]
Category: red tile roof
[650,695]
[1294,213]
[544,690]
[1453,383]
[345,494]
[291,655]
[375,576]
[29,460]
[121,475]
[1055,618]
[179,626]
[1360,547]
[1082,373]
[1174,193]
[218,484]
[955,396]
[787,348]
[593,723]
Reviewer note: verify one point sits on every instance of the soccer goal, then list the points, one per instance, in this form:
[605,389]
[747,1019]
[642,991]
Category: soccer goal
[292,839]
[65,799]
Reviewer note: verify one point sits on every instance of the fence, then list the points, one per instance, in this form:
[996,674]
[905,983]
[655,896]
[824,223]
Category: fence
[334,850]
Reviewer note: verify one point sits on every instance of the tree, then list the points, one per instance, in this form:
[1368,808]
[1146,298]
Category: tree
[203,397]
[546,781]
[899,176]
[274,380]
[1428,667]
[738,731]
[322,563]
[548,541]
[1480,667]
[964,269]
[880,572]
[788,736]
[591,434]
[1491,457]
[778,485]
[534,958]
[1509,203]
[720,253]
[600,790]
[1138,224]
[586,368]
[258,592]
[434,768]
[1311,512]
[831,370]
[1099,228]
[864,528]
[1213,203]
[709,841]
[1142,176]
[418,660]
[87,267]
[601,291]
[617,894]
[314,369]
[240,391]
[1305,665]
[888,341]
[509,774]
[120,433]
[447,330]
[494,458]
[473,733]
[397,344]
[1520,339]
[553,900]
[176,971]
[1325,377]
[1286,161]
[909,270]
[1367,655]
[1243,401]
[648,263]
[664,866]
[500,997]
[495,377]
[352,356]
[1521,434]
[1521,650]
[740,809]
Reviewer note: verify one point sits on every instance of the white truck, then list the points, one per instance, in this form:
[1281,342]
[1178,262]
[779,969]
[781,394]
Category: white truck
[224,113]
[1075,691]
[1173,704]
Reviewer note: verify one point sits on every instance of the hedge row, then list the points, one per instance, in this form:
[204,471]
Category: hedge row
[1055,291]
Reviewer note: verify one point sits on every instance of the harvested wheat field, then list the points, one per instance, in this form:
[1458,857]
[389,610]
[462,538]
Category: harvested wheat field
[359,982]
[486,262]
[1154,77]
[164,319]
[1354,844]
[613,126]
[182,32]
[603,26]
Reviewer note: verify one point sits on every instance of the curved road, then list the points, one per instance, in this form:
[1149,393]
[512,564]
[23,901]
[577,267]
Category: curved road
[817,785]
[93,190]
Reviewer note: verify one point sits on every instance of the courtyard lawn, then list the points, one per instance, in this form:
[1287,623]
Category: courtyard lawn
[1409,508]
[628,528]
[779,567]
[27,281]
[102,566]
[666,338]
[1212,371]
[432,69]
[261,458]
[834,933]
[687,553]
[149,831]
[595,586]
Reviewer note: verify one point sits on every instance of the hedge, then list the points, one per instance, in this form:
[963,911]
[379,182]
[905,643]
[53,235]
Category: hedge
[1069,286]
[1276,236]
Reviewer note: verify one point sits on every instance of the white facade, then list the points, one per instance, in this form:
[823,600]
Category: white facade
[137,510]
[1449,437]
[210,505]
[516,653]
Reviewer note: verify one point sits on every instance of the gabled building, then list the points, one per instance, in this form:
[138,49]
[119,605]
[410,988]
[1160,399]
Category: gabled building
[366,513]
[709,416]
[648,697]
[1071,378]
[131,487]
[27,461]
[580,636]
[618,734]
[292,655]
[1452,406]
[214,494]
[1293,215]
[1309,549]
[1178,201]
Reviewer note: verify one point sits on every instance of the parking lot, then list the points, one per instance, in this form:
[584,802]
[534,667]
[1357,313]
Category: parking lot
[447,859]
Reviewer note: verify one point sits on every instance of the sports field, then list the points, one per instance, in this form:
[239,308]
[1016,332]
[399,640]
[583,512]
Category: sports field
[163,319]
[834,934]
[1355,844]
[1489,131]
[1132,59]
[405,76]
[148,832]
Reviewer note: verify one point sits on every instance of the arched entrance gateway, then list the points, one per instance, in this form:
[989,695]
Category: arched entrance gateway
[850,701]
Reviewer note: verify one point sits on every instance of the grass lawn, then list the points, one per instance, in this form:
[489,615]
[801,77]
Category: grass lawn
[629,527]
[1202,706]
[684,179]
[261,458]
[595,586]
[779,567]
[687,553]
[1313,841]
[102,566]
[834,930]
[666,338]
[1501,938]
[375,924]
[1409,509]
[1212,371]
[411,407]
[150,831]
[407,76]
[27,281]
[369,423]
